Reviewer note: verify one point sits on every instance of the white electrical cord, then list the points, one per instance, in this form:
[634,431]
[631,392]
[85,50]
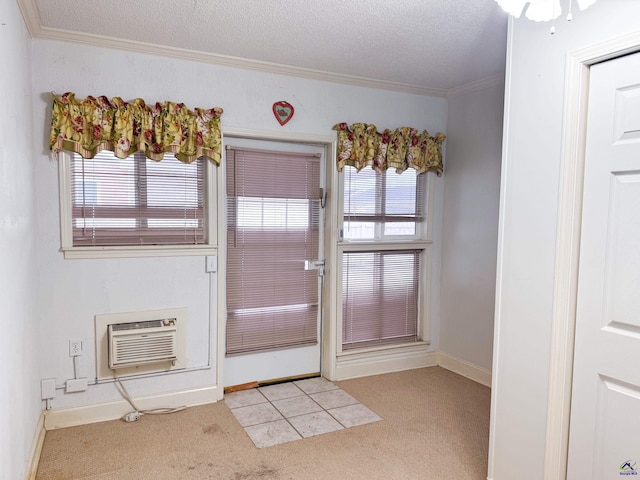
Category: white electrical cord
[75,367]
[133,416]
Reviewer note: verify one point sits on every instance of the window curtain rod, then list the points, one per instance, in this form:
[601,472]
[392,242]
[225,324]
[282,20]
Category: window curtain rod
[361,145]
[93,124]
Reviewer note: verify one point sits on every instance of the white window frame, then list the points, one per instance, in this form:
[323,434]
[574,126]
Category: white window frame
[132,251]
[423,228]
[423,240]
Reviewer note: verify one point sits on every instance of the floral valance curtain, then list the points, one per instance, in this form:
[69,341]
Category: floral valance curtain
[361,145]
[93,124]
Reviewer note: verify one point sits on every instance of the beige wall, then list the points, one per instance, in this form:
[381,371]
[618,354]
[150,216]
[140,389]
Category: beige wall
[470,224]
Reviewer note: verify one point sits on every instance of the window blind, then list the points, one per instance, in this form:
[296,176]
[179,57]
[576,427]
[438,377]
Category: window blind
[137,201]
[272,228]
[382,204]
[379,297]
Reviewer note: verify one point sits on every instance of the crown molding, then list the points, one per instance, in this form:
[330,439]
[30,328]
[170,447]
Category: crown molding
[31,16]
[36,30]
[481,84]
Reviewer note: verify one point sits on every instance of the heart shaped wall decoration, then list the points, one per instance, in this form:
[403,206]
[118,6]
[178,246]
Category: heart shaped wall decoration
[283,111]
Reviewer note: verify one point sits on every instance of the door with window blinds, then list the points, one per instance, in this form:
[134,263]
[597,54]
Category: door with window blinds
[273,228]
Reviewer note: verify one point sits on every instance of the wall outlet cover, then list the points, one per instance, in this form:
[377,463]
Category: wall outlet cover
[48,388]
[75,347]
[76,385]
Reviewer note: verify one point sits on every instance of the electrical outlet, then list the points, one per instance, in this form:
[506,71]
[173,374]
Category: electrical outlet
[75,348]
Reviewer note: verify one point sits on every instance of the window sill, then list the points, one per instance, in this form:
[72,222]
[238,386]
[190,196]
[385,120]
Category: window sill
[379,360]
[385,349]
[377,245]
[139,252]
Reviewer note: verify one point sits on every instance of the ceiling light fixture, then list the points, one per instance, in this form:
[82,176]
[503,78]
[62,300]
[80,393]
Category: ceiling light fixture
[541,10]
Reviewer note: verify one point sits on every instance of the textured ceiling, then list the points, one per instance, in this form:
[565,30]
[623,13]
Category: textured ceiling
[430,44]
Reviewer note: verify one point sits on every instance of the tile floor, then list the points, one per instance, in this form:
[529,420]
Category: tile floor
[291,411]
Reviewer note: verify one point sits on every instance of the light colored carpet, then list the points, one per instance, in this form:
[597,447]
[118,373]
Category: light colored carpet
[435,426]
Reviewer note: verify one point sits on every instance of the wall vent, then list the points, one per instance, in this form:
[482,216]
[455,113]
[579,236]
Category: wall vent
[142,343]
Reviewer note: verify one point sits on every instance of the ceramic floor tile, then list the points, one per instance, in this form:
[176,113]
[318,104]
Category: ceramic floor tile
[244,398]
[315,385]
[272,433]
[333,399]
[353,415]
[283,390]
[293,407]
[255,414]
[315,424]
[290,411]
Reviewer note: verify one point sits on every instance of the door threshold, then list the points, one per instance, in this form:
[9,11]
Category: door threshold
[242,386]
[265,383]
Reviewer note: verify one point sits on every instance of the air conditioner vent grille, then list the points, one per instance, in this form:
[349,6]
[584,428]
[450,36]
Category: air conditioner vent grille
[140,345]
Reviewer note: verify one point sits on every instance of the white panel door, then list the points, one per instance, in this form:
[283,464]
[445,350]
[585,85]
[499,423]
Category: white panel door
[604,439]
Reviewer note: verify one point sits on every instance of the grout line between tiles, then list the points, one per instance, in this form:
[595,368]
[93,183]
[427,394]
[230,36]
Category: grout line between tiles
[293,426]
[345,427]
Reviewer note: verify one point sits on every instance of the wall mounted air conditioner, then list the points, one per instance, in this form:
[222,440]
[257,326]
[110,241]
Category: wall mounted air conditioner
[141,343]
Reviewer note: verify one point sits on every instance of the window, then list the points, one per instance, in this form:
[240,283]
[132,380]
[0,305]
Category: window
[383,252]
[380,297]
[380,206]
[135,202]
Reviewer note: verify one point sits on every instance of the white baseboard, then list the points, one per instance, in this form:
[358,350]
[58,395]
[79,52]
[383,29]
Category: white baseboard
[36,449]
[70,417]
[348,366]
[466,369]
[354,365]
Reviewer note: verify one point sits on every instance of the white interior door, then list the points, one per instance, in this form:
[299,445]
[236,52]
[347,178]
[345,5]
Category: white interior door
[273,233]
[604,440]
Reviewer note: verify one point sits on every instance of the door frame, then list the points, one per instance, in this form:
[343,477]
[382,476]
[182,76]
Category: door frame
[327,332]
[568,236]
